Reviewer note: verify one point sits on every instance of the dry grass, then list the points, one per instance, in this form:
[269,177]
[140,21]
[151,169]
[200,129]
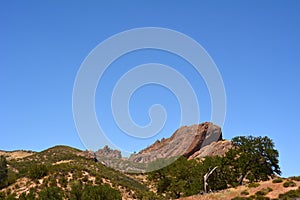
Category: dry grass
[16,154]
[233,192]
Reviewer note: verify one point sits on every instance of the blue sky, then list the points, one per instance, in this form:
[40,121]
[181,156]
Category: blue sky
[255,45]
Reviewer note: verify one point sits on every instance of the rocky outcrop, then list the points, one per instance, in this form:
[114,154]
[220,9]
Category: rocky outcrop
[87,153]
[108,153]
[186,141]
[215,148]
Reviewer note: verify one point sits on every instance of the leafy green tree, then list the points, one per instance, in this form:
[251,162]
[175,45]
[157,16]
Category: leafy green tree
[3,171]
[220,178]
[254,158]
[181,178]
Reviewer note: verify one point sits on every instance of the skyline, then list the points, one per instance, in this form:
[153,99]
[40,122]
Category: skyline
[255,46]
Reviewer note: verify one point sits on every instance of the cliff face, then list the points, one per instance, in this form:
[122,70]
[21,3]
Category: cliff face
[186,141]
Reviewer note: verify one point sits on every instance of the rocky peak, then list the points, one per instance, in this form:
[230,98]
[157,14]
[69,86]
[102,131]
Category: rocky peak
[186,141]
[108,153]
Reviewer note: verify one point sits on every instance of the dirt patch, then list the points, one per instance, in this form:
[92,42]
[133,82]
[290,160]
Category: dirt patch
[16,154]
[233,192]
[62,161]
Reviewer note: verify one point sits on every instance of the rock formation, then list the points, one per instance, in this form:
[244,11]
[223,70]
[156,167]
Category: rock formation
[186,141]
[213,149]
[87,153]
[108,153]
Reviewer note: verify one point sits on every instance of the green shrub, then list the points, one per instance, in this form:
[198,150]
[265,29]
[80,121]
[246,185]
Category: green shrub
[261,198]
[277,180]
[101,192]
[11,197]
[85,179]
[295,178]
[241,198]
[289,184]
[263,191]
[260,193]
[51,193]
[269,189]
[244,192]
[2,195]
[37,171]
[253,185]
[63,182]
[292,194]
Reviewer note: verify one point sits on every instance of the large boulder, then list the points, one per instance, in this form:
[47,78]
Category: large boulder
[186,141]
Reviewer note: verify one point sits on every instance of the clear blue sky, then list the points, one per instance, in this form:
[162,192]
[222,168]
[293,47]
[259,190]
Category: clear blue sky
[255,44]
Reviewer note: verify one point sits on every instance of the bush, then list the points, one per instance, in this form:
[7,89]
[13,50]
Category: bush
[29,196]
[261,198]
[295,178]
[244,192]
[292,194]
[63,182]
[289,184]
[278,180]
[101,192]
[253,185]
[263,191]
[2,195]
[37,171]
[241,198]
[51,193]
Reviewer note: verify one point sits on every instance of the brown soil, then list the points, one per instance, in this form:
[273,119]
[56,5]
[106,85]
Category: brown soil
[233,192]
[15,154]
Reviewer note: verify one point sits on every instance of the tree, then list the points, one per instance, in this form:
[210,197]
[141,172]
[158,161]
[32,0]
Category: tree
[181,178]
[220,178]
[206,176]
[3,171]
[255,158]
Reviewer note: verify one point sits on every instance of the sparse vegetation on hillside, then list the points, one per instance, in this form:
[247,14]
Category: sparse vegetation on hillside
[289,184]
[61,173]
[290,195]
[3,171]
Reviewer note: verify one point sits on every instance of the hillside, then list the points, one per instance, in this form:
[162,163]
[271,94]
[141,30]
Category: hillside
[272,189]
[244,168]
[61,169]
[16,154]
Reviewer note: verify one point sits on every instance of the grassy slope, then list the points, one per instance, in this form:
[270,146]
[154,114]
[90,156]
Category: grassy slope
[66,165]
